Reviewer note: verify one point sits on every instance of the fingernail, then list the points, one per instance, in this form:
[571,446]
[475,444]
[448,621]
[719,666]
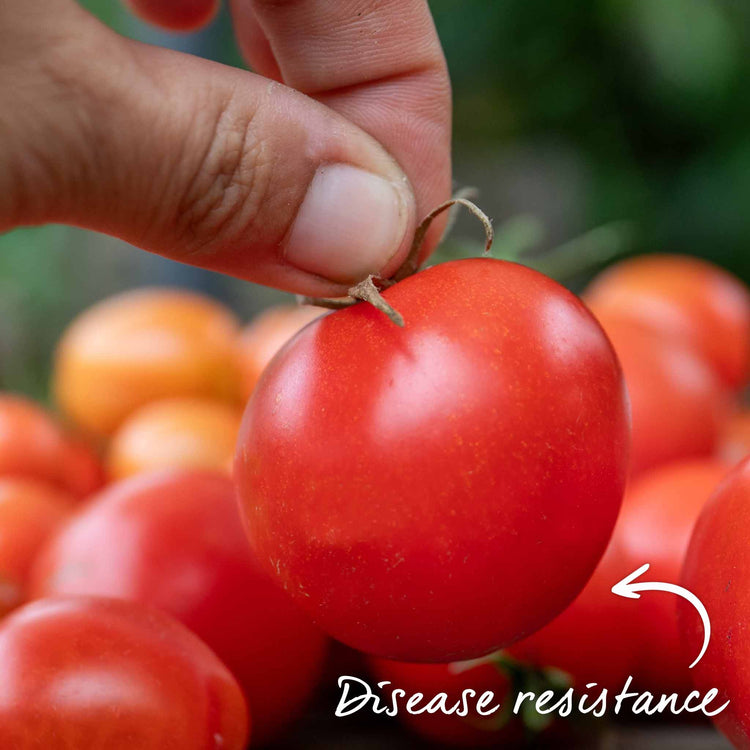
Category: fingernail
[350,224]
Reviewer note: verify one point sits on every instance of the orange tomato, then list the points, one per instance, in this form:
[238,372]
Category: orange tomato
[175,433]
[734,443]
[34,445]
[684,299]
[265,335]
[677,403]
[30,511]
[142,346]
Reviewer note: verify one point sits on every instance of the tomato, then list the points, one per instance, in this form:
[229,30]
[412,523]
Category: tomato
[604,638]
[659,514]
[34,445]
[103,674]
[175,15]
[174,540]
[717,571]
[734,442]
[677,403]
[265,335]
[179,432]
[684,299]
[416,488]
[29,512]
[142,346]
[596,638]
[472,730]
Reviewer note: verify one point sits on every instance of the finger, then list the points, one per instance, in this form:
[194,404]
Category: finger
[253,43]
[202,163]
[378,62]
[175,15]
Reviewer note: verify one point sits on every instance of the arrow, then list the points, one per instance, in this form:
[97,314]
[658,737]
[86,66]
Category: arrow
[630,590]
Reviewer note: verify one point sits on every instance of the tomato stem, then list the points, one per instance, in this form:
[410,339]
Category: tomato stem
[367,290]
[411,264]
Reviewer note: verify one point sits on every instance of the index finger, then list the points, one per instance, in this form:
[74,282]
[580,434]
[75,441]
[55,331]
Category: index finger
[377,62]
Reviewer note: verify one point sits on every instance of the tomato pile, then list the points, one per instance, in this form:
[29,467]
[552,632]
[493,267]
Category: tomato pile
[452,500]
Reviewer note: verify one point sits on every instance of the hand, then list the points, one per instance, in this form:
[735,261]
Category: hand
[306,177]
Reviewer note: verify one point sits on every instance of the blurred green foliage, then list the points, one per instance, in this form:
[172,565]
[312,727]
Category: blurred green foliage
[604,126]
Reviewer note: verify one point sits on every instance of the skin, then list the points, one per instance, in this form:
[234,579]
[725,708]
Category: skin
[34,445]
[209,164]
[110,675]
[716,571]
[174,540]
[410,486]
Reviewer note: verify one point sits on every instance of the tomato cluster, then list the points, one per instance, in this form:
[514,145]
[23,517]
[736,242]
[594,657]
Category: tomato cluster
[453,499]
[150,623]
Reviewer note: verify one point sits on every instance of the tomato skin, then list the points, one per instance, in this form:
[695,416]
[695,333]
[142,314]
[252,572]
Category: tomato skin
[734,442]
[685,299]
[604,638]
[265,335]
[174,540]
[411,487]
[175,15]
[595,639]
[175,433]
[473,730]
[660,512]
[29,512]
[677,403]
[103,674]
[716,570]
[142,346]
[34,445]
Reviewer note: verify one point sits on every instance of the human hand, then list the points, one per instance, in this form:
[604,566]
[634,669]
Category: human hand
[307,185]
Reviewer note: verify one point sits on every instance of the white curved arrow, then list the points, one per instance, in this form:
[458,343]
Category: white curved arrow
[630,590]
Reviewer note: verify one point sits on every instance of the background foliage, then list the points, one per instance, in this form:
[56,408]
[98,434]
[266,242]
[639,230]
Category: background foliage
[604,126]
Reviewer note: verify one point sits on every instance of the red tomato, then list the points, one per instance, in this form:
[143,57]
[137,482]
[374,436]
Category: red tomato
[174,540]
[175,15]
[596,638]
[717,571]
[103,674]
[734,442]
[685,299]
[265,335]
[604,638]
[416,488]
[142,346]
[29,512]
[34,445]
[677,403]
[175,433]
[658,517]
[472,730]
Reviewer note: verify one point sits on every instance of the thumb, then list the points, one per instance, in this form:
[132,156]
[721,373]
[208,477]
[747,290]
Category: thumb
[203,163]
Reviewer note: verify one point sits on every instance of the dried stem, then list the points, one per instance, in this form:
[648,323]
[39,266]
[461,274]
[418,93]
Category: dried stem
[411,264]
[367,290]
